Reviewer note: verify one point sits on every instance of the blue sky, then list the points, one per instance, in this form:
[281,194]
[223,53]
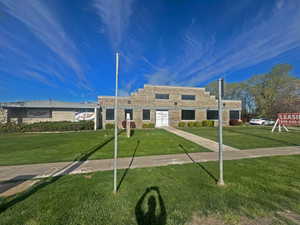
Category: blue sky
[65,49]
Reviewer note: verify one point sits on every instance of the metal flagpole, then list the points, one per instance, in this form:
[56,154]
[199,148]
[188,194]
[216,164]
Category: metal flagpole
[116,124]
[220,106]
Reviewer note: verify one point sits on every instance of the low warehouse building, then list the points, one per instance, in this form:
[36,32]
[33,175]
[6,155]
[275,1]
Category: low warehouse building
[41,111]
[167,106]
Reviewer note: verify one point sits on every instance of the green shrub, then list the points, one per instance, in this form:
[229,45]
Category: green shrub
[197,124]
[190,124]
[109,126]
[181,124]
[204,123]
[208,123]
[47,126]
[211,123]
[148,125]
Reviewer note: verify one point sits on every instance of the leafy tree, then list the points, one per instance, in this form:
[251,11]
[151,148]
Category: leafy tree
[265,94]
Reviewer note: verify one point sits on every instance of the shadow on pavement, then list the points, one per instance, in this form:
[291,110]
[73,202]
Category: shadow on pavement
[150,209]
[199,164]
[6,185]
[129,166]
[6,204]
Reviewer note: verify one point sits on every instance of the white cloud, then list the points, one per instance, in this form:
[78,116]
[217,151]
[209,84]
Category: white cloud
[45,25]
[261,38]
[115,15]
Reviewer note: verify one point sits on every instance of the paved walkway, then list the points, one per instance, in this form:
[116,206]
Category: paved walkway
[206,143]
[25,172]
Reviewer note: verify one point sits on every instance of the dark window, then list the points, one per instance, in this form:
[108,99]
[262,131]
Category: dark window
[212,114]
[162,96]
[188,97]
[146,114]
[39,113]
[234,115]
[130,112]
[187,114]
[110,114]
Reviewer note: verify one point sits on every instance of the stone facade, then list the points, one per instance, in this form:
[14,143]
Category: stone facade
[146,98]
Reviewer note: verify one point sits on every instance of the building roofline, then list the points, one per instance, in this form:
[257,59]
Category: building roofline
[48,104]
[167,86]
[224,100]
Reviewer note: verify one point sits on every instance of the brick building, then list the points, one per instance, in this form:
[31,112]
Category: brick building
[167,106]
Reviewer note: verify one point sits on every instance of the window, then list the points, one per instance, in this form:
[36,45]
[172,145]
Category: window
[234,115]
[130,113]
[39,113]
[162,96]
[212,114]
[188,97]
[187,114]
[146,114]
[110,114]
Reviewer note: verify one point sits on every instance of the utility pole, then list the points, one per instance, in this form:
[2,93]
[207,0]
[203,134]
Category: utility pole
[220,106]
[116,124]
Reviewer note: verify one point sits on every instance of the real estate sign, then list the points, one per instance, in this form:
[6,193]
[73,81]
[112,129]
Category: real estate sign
[289,119]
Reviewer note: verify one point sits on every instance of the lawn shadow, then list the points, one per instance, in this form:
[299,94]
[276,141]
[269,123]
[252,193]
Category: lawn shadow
[77,162]
[262,137]
[198,164]
[132,132]
[129,166]
[155,213]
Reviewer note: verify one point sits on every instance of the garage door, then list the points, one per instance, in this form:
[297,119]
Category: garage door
[162,118]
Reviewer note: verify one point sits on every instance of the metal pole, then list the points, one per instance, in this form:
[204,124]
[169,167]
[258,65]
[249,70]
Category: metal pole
[116,124]
[220,106]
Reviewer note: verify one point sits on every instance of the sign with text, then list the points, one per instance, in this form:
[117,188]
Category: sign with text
[289,119]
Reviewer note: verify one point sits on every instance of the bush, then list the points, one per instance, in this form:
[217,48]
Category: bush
[47,126]
[197,124]
[208,123]
[181,124]
[132,124]
[148,125]
[109,126]
[235,123]
[190,124]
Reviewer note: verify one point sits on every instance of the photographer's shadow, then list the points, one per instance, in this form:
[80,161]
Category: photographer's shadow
[150,209]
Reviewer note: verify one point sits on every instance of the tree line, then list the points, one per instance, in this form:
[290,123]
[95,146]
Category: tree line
[265,95]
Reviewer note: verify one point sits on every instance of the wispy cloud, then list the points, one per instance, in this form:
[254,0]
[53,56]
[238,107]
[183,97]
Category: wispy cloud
[46,27]
[266,36]
[115,15]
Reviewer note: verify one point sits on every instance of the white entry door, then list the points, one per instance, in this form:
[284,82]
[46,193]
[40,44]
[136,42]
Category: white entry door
[162,118]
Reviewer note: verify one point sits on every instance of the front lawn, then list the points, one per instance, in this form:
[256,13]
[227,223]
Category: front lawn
[249,137]
[58,147]
[257,189]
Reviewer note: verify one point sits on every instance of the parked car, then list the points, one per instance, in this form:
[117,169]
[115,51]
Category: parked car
[261,121]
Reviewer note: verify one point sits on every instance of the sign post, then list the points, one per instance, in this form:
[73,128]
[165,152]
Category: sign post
[116,124]
[220,108]
[128,125]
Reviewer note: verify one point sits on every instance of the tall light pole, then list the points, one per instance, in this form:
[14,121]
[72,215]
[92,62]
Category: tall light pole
[116,124]
[220,106]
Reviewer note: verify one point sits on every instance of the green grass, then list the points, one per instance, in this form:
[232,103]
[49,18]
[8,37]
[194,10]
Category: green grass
[256,188]
[58,147]
[249,137]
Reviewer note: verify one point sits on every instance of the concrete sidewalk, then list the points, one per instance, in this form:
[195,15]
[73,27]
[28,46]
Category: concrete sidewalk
[25,172]
[204,142]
